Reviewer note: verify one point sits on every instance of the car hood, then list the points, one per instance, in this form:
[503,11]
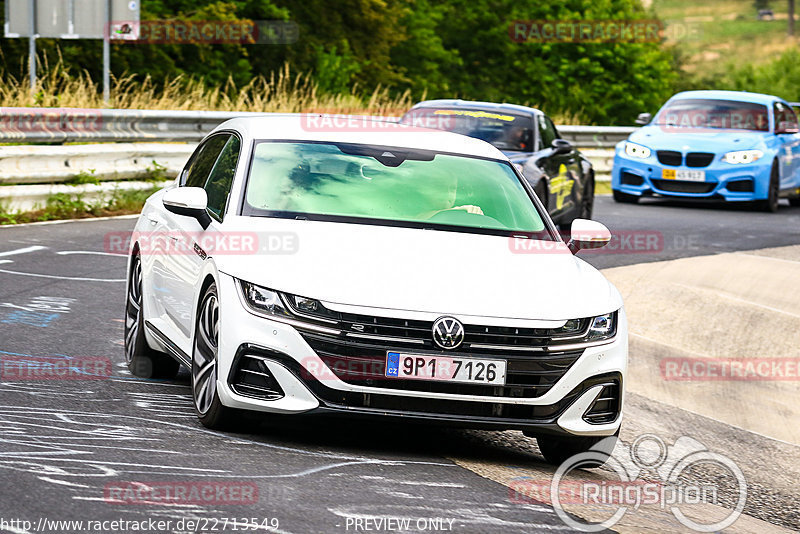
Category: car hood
[697,139]
[516,156]
[420,270]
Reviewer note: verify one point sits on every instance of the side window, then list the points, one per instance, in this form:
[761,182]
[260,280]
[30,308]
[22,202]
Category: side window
[202,161]
[785,119]
[547,132]
[218,186]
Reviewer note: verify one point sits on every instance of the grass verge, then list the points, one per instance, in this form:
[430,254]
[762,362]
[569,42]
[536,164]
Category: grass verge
[73,206]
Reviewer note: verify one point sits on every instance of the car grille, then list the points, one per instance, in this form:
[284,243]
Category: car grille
[363,363]
[699,159]
[669,157]
[677,186]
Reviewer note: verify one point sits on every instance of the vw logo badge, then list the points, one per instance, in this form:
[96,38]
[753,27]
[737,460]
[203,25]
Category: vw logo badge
[448,332]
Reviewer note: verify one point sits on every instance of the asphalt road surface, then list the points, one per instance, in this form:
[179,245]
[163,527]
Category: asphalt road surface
[81,449]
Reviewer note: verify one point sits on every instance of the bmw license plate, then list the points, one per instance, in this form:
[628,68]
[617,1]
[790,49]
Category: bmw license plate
[683,174]
[445,369]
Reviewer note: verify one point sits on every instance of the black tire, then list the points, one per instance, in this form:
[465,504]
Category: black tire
[587,203]
[625,198]
[142,360]
[558,449]
[770,204]
[541,191]
[207,406]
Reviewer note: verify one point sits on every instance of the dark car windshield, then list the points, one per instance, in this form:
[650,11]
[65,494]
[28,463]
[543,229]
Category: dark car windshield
[385,185]
[711,113]
[505,131]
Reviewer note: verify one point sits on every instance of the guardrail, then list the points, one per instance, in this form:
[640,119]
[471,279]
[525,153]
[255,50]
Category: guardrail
[152,141]
[36,125]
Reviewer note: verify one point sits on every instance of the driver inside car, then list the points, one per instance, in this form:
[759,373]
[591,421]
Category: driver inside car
[447,202]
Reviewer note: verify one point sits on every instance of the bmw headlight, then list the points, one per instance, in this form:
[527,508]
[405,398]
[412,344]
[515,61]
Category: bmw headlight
[636,151]
[742,157]
[264,300]
[603,327]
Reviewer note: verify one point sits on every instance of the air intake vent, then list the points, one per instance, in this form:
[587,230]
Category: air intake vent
[606,407]
[251,377]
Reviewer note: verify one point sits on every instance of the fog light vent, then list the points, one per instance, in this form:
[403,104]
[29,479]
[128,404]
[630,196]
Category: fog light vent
[606,407]
[252,378]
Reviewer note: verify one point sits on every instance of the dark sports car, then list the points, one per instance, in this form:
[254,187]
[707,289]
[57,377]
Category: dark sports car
[562,178]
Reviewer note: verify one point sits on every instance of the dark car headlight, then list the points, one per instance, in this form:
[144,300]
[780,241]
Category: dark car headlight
[602,327]
[264,300]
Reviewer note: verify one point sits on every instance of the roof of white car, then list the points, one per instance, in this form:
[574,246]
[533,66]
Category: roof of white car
[360,130]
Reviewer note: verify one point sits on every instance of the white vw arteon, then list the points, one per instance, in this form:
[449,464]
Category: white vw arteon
[401,273]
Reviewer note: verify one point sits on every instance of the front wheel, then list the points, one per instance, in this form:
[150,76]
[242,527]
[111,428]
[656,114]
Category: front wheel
[209,409]
[770,204]
[625,198]
[558,449]
[142,360]
[587,202]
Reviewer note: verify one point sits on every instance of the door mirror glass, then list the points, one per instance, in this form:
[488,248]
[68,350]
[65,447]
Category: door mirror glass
[189,202]
[644,118]
[586,234]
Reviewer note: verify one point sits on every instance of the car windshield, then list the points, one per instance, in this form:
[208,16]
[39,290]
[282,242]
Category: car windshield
[385,185]
[504,130]
[711,113]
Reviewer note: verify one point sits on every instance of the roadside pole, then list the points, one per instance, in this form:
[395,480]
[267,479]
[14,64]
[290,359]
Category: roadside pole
[107,53]
[32,44]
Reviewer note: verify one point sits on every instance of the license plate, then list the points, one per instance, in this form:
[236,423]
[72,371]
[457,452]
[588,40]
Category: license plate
[445,369]
[682,174]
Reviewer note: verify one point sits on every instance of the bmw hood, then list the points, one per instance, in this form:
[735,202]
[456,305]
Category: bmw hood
[419,270]
[700,140]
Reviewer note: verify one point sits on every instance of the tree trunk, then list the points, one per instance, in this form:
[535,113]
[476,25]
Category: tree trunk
[791,18]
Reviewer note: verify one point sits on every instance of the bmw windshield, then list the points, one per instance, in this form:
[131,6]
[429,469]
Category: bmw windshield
[385,185]
[712,113]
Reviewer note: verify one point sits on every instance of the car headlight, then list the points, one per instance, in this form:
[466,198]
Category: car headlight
[603,327]
[741,157]
[636,151]
[264,300]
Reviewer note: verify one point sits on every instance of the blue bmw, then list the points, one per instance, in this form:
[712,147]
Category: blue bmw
[713,145]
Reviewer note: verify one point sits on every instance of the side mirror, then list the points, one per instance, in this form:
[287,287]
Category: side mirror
[561,146]
[786,127]
[586,234]
[644,118]
[189,202]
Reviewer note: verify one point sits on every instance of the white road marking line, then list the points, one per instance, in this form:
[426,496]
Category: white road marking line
[6,261]
[70,252]
[737,299]
[25,250]
[768,257]
[65,221]
[77,279]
